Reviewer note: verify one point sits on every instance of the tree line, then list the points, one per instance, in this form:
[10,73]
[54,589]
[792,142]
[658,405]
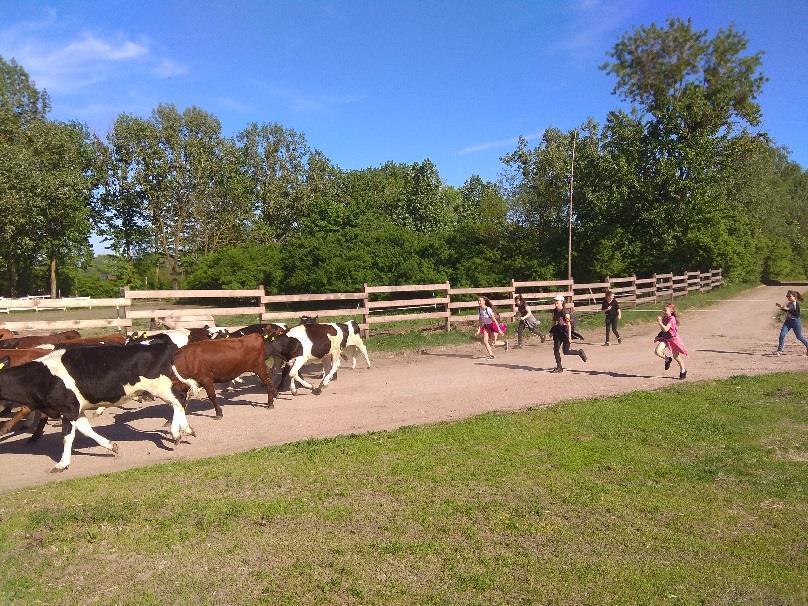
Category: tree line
[684,178]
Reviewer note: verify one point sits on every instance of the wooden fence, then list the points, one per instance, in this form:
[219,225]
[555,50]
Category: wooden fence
[371,305]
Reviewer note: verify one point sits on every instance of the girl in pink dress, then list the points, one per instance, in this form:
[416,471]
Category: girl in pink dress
[669,337]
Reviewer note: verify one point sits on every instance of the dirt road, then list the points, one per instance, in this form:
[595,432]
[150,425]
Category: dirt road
[734,337]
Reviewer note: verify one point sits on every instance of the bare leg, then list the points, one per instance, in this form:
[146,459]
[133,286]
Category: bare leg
[487,345]
[659,350]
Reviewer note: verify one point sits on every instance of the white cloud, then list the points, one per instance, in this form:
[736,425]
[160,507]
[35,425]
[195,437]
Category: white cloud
[308,102]
[499,143]
[168,69]
[593,23]
[70,63]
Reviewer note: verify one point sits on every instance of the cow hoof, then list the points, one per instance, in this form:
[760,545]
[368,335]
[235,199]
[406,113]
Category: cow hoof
[218,417]
[115,447]
[270,405]
[317,391]
[177,441]
[34,438]
[57,469]
[191,432]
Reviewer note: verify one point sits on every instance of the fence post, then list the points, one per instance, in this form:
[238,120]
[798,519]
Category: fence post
[261,290]
[122,313]
[448,306]
[634,276]
[366,315]
[655,288]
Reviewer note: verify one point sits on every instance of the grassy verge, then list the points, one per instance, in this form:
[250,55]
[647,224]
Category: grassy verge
[692,495]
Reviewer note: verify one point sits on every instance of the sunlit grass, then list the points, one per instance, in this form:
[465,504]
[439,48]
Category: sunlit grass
[692,495]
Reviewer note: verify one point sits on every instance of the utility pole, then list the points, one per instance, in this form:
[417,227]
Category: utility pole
[569,231]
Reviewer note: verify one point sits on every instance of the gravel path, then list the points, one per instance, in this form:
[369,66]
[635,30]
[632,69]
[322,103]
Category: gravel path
[734,337]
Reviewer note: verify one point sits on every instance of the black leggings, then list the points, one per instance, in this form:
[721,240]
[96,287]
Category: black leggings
[611,322]
[520,330]
[561,342]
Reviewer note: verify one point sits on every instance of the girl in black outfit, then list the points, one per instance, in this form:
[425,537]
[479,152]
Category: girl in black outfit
[526,320]
[562,333]
[611,308]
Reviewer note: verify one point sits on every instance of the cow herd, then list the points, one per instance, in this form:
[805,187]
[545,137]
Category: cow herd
[64,376]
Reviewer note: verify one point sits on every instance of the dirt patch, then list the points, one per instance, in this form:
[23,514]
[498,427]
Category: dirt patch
[438,384]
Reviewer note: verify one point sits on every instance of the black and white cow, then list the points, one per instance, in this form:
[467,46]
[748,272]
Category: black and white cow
[351,338]
[68,383]
[306,342]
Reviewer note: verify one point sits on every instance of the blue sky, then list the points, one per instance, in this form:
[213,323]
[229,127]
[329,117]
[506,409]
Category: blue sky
[368,82]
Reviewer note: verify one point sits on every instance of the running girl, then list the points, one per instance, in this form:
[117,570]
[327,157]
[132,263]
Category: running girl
[792,321]
[489,325]
[562,334]
[669,337]
[526,320]
[611,308]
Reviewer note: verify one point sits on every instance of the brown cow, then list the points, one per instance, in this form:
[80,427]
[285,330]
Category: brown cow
[23,342]
[200,365]
[111,339]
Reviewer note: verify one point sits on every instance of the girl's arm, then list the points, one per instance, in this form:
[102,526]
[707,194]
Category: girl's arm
[568,318]
[662,325]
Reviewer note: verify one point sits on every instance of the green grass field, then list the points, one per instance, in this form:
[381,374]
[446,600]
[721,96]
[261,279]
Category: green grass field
[691,495]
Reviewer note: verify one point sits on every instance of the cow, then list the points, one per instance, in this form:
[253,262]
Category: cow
[352,338]
[6,362]
[15,357]
[272,328]
[68,383]
[24,342]
[111,339]
[306,342]
[179,336]
[5,333]
[200,365]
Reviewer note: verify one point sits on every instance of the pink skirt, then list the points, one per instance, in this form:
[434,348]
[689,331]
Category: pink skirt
[492,329]
[674,344]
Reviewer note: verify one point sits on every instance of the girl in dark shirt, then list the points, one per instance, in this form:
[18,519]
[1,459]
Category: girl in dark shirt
[562,334]
[526,320]
[792,321]
[611,308]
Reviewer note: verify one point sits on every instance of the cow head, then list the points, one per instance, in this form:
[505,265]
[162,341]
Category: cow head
[271,332]
[309,319]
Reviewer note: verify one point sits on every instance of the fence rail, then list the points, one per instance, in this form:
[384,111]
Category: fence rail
[371,305]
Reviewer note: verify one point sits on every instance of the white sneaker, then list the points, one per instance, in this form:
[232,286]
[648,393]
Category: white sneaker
[777,352]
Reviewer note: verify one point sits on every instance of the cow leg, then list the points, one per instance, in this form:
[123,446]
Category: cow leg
[18,416]
[68,434]
[43,421]
[332,373]
[176,396]
[294,375]
[84,427]
[210,389]
[266,379]
[361,347]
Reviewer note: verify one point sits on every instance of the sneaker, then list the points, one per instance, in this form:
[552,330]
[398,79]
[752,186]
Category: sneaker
[507,345]
[606,344]
[557,370]
[518,346]
[543,338]
[777,352]
[491,357]
[668,361]
[583,355]
[682,374]
[619,340]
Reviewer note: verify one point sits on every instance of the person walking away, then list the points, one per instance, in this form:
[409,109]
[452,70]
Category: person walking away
[792,321]
[526,320]
[489,325]
[611,308]
[668,337]
[562,334]
[574,322]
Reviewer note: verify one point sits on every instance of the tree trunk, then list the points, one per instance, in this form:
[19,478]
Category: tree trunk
[11,271]
[53,277]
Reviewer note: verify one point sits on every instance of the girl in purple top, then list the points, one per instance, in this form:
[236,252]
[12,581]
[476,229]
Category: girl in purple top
[669,337]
